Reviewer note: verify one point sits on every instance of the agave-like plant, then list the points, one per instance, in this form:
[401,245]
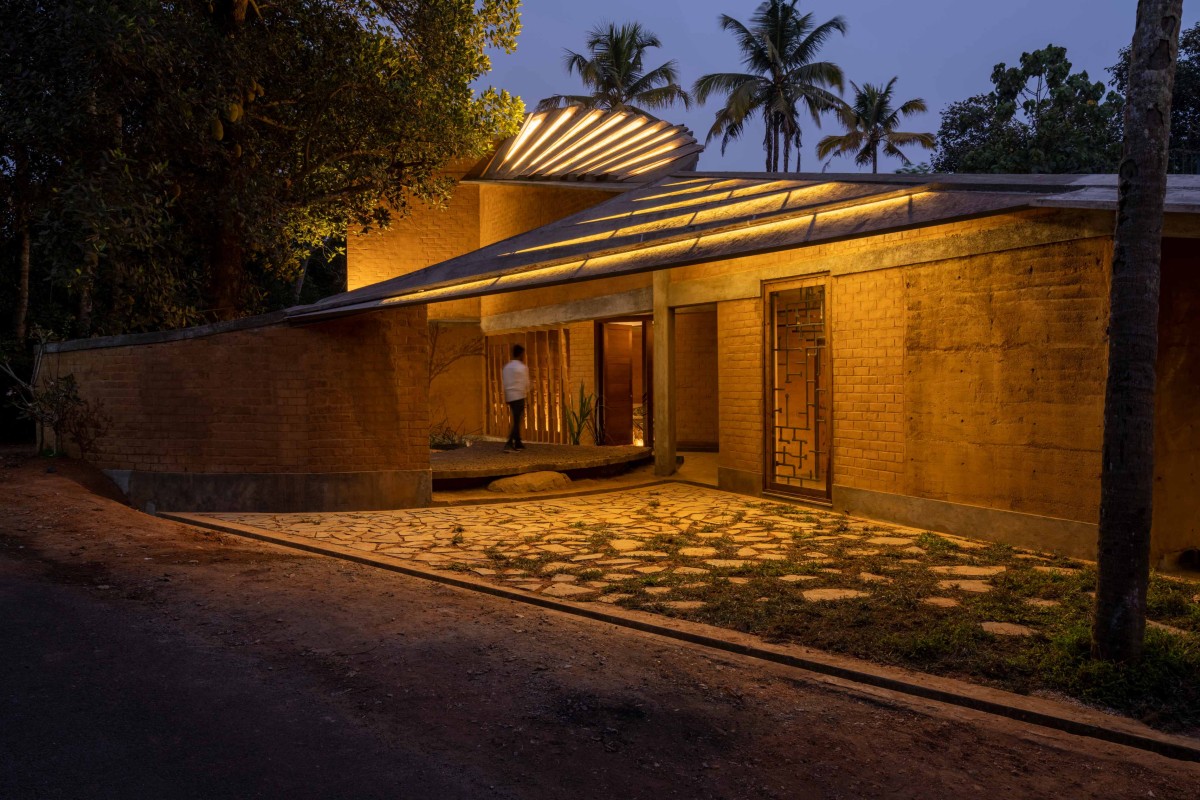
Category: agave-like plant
[870,123]
[615,73]
[779,50]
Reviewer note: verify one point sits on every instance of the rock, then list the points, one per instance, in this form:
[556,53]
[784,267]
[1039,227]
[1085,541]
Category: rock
[648,570]
[870,577]
[566,590]
[968,572]
[618,576]
[819,595]
[726,562]
[529,482]
[1007,629]
[587,557]
[1058,570]
[622,545]
[690,571]
[862,553]
[613,598]
[889,540]
[564,578]
[1168,628]
[698,552]
[684,605]
[797,578]
[940,602]
[978,587]
[1039,603]
[657,590]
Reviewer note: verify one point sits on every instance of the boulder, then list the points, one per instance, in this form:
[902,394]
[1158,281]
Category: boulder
[529,482]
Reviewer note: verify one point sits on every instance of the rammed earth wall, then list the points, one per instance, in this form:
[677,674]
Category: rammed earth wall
[264,416]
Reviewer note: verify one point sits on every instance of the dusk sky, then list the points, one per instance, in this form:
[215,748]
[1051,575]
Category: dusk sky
[942,51]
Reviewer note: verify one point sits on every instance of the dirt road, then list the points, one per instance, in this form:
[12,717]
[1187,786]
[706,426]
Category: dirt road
[143,658]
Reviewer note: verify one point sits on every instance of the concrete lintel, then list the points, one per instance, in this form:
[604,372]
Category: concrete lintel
[664,376]
[635,301]
[746,284]
[1066,536]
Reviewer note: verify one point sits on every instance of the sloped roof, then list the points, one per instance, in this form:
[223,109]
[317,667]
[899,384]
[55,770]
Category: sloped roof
[693,217]
[576,143]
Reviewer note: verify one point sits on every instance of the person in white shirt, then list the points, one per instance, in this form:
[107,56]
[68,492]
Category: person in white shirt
[515,377]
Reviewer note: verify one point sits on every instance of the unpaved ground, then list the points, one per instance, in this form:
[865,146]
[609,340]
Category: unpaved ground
[142,658]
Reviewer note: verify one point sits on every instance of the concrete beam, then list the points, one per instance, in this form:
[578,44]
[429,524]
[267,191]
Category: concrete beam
[636,301]
[664,376]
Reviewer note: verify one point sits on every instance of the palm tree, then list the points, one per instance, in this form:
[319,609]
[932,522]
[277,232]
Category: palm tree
[871,122]
[613,70]
[1127,460]
[778,51]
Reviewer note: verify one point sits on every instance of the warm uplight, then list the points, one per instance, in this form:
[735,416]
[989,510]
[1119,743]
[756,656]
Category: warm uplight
[577,143]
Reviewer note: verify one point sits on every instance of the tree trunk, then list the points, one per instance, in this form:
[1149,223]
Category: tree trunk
[768,141]
[226,276]
[20,319]
[298,284]
[875,160]
[787,152]
[1127,469]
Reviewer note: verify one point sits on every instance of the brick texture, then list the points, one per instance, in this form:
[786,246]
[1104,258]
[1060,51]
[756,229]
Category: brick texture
[342,396]
[868,317]
[740,384]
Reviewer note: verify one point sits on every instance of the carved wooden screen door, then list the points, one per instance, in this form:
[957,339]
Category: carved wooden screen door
[798,391]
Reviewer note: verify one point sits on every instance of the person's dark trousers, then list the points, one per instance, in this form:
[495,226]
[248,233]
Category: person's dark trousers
[517,407]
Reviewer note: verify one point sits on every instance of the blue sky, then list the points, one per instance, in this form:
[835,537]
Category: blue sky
[942,51]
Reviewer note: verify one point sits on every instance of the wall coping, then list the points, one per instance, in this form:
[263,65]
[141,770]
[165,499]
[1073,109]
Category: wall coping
[161,337]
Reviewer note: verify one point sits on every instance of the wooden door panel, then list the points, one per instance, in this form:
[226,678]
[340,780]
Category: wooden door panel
[618,383]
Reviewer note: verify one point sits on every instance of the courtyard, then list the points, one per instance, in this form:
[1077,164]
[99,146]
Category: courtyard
[947,604]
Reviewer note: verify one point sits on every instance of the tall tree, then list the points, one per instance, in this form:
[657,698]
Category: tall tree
[1040,117]
[614,70]
[187,157]
[870,123]
[1185,100]
[779,49]
[1127,468]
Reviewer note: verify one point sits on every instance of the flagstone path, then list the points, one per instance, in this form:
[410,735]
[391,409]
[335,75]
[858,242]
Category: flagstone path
[664,547]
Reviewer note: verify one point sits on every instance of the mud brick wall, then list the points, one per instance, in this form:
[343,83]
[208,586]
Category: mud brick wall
[740,388]
[867,342]
[477,214]
[346,396]
[1005,362]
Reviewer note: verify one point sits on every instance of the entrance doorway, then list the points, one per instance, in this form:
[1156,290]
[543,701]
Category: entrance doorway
[798,434]
[623,355]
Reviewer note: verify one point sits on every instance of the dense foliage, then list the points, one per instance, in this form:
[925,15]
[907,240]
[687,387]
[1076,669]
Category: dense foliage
[164,164]
[1039,118]
[1185,100]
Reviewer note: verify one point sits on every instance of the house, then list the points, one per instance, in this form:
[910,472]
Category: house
[928,350]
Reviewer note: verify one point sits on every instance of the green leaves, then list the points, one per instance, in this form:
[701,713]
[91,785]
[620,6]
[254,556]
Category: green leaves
[1039,117]
[201,155]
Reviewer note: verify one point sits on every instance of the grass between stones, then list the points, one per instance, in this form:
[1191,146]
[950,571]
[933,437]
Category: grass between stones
[892,624]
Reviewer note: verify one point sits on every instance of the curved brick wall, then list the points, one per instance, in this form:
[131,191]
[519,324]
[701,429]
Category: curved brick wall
[268,416]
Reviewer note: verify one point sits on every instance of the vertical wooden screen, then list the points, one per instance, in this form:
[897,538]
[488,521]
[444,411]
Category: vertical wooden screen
[547,354]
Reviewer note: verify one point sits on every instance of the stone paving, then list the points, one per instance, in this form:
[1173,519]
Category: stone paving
[662,548]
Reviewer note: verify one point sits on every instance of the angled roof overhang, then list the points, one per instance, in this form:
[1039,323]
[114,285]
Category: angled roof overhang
[582,144]
[689,218]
